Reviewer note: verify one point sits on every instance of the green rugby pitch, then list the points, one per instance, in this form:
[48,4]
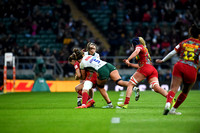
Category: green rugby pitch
[43,112]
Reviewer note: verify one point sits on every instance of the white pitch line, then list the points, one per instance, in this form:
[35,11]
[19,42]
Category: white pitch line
[120,99]
[115,120]
[121,94]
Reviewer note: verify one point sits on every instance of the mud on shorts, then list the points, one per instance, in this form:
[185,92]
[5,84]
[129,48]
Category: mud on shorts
[104,72]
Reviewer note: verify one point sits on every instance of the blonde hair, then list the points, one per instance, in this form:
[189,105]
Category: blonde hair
[142,41]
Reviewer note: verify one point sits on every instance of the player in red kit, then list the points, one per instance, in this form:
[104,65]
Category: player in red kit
[145,70]
[185,70]
[90,80]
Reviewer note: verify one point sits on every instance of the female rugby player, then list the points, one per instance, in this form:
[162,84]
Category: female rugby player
[145,70]
[185,70]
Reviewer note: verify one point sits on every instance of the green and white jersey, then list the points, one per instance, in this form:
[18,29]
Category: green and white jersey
[90,62]
[95,54]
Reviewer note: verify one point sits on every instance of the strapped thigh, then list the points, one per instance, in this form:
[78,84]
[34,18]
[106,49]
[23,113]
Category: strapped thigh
[117,81]
[133,80]
[153,83]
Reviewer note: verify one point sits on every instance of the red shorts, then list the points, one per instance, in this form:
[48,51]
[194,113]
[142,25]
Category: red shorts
[148,71]
[186,72]
[92,76]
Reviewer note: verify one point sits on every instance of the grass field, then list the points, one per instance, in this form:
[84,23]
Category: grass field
[55,112]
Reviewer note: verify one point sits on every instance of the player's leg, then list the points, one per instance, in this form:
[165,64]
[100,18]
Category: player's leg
[100,86]
[114,75]
[154,84]
[91,101]
[189,78]
[181,98]
[78,89]
[134,80]
[86,87]
[91,93]
[104,74]
[176,82]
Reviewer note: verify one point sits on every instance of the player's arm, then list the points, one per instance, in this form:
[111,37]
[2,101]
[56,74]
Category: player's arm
[131,64]
[134,54]
[83,74]
[167,57]
[78,74]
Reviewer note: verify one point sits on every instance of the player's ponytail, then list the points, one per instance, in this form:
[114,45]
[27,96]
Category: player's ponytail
[72,57]
[79,54]
[142,41]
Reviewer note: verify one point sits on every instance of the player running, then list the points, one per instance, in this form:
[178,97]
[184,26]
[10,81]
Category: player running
[185,70]
[145,70]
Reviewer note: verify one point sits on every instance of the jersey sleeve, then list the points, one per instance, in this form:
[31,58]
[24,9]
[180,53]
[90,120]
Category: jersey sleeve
[140,47]
[177,48]
[76,66]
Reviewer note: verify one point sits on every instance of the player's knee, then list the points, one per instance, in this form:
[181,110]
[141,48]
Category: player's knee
[77,89]
[87,85]
[117,81]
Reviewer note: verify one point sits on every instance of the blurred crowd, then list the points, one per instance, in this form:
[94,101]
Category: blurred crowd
[162,23]
[166,22]
[28,18]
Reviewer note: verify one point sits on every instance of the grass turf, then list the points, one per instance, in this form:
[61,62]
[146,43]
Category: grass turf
[55,112]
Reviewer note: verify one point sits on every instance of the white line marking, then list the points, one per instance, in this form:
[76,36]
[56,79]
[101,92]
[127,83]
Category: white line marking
[120,99]
[115,120]
[121,94]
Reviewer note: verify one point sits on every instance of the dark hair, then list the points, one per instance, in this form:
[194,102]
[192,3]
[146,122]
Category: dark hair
[78,53]
[72,57]
[135,41]
[194,31]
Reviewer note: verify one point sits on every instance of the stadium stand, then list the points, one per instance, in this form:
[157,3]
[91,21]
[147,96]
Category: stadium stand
[47,28]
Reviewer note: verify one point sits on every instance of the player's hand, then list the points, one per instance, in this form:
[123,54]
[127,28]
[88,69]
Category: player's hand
[126,62]
[159,61]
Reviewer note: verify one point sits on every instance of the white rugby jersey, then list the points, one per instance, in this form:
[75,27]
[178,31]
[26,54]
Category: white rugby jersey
[95,54]
[91,63]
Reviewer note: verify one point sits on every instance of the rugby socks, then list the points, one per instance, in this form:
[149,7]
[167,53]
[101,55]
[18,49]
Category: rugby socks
[109,102]
[180,100]
[84,97]
[79,99]
[127,100]
[170,96]
[80,93]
